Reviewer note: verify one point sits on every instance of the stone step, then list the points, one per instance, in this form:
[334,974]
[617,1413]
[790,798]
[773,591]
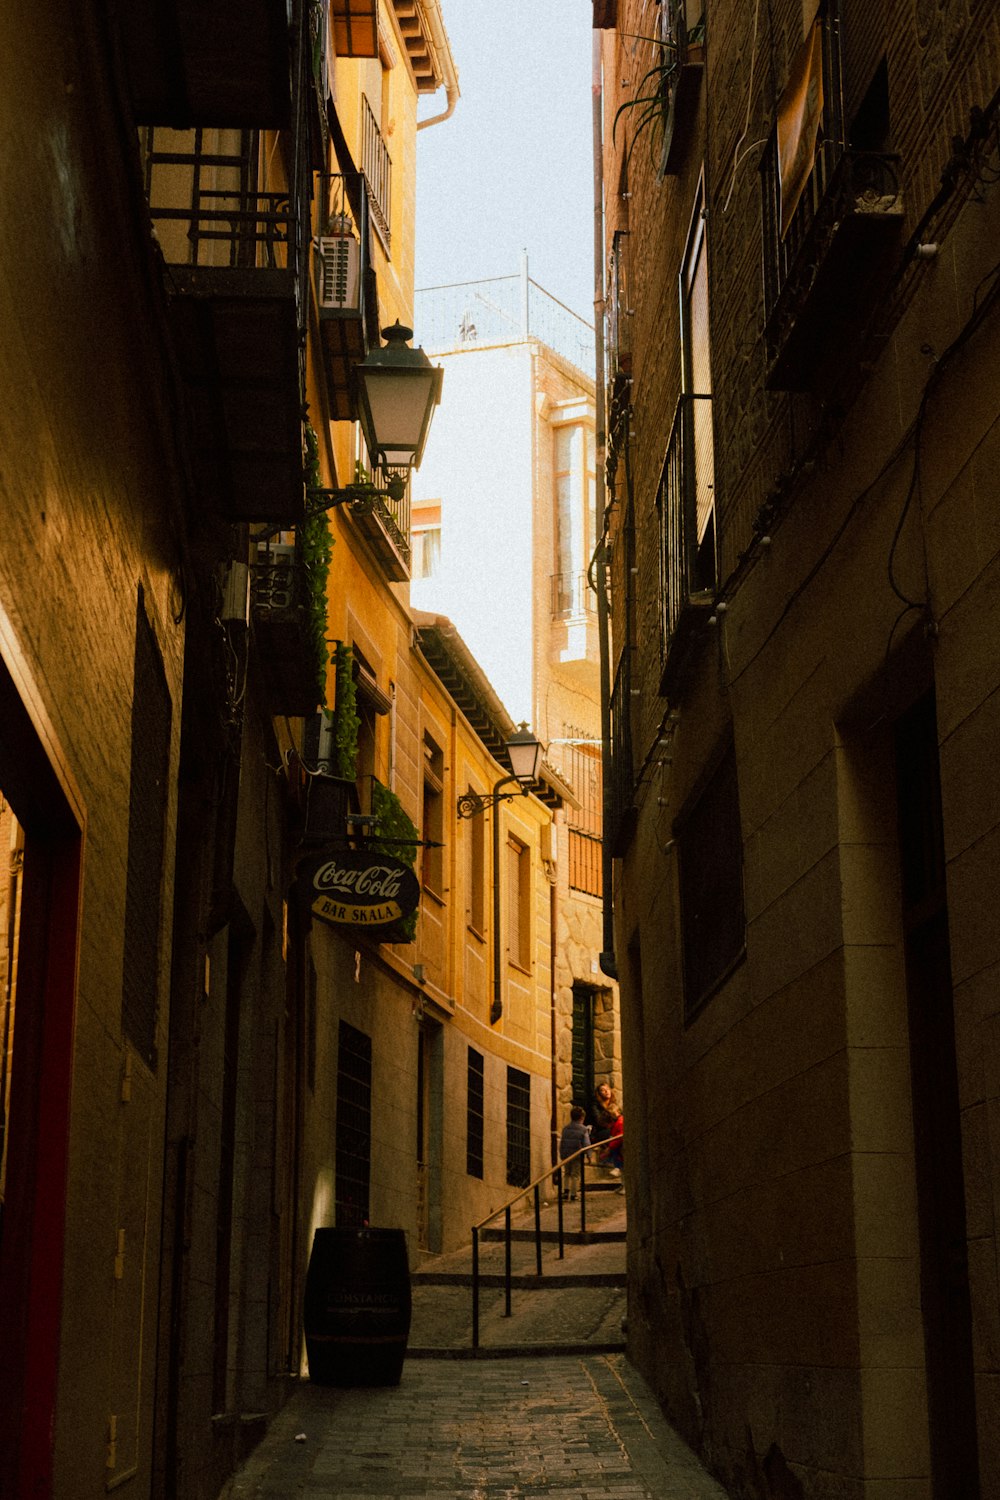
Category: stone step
[520,1281]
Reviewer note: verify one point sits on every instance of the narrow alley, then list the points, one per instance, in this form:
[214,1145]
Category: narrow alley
[550,1407]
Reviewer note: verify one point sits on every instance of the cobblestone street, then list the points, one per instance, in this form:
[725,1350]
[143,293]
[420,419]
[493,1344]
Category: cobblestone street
[563,1428]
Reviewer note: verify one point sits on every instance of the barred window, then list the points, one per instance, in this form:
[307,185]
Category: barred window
[518,1128]
[474,1112]
[354,1127]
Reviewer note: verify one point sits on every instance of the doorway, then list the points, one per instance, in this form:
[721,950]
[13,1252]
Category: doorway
[41,873]
[944,1269]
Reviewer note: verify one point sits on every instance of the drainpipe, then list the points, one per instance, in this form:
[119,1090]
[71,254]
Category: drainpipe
[442,51]
[607,959]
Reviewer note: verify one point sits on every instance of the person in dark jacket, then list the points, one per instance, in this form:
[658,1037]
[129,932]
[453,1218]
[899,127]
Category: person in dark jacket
[574,1137]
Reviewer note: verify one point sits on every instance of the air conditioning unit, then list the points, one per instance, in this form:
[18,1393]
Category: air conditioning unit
[274,578]
[339,273]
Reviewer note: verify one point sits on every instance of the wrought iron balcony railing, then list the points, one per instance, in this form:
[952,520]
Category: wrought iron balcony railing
[623,811]
[619,308]
[207,209]
[682,34]
[386,524]
[852,199]
[572,595]
[376,164]
[685,502]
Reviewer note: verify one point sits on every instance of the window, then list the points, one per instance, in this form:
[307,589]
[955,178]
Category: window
[696,369]
[370,703]
[828,179]
[151,713]
[584,1005]
[573,509]
[354,1127]
[518,1128]
[425,540]
[518,903]
[432,872]
[710,861]
[474,1114]
[582,766]
[686,494]
[476,848]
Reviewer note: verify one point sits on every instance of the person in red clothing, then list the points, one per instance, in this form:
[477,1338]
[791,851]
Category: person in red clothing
[611,1151]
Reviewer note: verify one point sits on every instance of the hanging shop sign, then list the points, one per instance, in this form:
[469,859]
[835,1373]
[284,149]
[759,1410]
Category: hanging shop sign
[360,888]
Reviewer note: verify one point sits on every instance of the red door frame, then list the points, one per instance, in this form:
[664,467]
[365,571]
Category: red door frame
[43,799]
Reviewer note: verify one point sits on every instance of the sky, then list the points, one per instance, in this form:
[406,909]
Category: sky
[512,169]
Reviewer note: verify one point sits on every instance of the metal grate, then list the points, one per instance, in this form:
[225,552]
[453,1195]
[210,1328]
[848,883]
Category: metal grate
[474,1114]
[151,714]
[584,1003]
[354,1127]
[518,1128]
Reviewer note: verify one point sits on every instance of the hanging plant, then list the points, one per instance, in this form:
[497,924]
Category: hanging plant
[317,545]
[399,836]
[347,720]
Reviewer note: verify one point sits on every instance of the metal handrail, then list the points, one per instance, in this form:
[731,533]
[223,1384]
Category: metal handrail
[555,1172]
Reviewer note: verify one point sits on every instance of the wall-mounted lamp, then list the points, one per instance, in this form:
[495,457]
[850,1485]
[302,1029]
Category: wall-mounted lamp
[396,389]
[524,752]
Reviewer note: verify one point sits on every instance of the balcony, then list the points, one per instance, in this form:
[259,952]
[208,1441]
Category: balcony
[376,165]
[233,264]
[573,639]
[280,616]
[682,32]
[385,524]
[227,64]
[620,311]
[624,813]
[342,282]
[685,502]
[821,274]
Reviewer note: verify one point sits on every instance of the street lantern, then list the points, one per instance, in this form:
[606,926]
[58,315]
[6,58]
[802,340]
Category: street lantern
[397,390]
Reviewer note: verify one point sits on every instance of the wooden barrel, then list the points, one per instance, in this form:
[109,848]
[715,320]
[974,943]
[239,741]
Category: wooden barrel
[357,1306]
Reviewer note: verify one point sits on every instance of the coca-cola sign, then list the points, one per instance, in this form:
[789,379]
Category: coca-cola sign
[360,888]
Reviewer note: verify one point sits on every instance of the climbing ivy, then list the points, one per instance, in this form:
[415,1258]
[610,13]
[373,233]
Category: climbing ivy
[399,836]
[317,545]
[347,720]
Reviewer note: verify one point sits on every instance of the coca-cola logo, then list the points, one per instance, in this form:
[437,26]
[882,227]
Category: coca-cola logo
[374,880]
[361,889]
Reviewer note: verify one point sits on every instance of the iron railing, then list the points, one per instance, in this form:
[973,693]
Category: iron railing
[844,185]
[221,216]
[622,764]
[376,164]
[620,310]
[555,1176]
[501,310]
[684,500]
[572,595]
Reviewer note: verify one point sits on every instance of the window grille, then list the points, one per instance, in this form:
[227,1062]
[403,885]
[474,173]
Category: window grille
[584,1004]
[518,1128]
[354,1127]
[474,1114]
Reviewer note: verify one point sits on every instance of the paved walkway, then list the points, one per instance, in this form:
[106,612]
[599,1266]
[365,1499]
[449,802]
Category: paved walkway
[518,1422]
[554,1428]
